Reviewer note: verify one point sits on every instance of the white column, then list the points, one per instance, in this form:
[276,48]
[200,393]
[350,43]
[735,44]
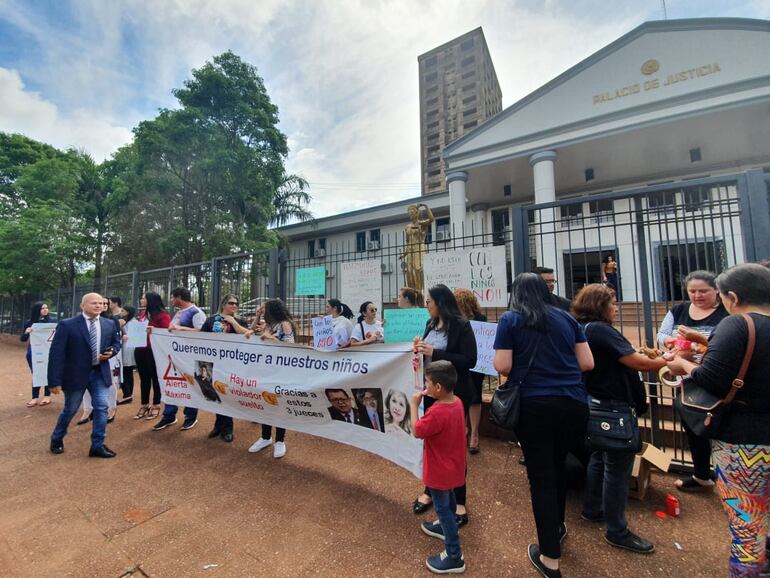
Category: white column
[479,220]
[456,183]
[545,192]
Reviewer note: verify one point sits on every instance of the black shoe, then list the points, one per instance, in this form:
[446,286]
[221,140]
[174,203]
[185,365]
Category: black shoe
[164,423]
[562,533]
[102,452]
[57,446]
[126,400]
[522,461]
[631,542]
[111,419]
[85,420]
[419,508]
[533,552]
[462,520]
[592,518]
[215,433]
[227,436]
[189,423]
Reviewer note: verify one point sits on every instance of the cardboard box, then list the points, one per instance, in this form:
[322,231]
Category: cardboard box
[645,460]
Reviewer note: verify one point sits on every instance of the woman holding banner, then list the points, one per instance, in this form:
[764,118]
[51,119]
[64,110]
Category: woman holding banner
[469,307]
[341,316]
[278,326]
[368,329]
[450,337]
[38,314]
[154,312]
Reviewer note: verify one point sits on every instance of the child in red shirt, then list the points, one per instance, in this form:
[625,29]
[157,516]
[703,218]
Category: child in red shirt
[443,460]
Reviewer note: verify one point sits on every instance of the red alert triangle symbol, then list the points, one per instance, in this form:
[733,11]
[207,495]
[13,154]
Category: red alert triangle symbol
[176,376]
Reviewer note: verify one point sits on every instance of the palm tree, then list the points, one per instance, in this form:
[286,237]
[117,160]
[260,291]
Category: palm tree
[291,200]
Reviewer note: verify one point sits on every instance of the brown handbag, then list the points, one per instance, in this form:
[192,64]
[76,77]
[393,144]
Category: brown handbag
[703,411]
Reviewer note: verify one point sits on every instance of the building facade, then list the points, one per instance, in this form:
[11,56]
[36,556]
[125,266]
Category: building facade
[458,92]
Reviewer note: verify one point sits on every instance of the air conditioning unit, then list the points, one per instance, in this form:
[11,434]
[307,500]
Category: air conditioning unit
[443,236]
[319,253]
[373,246]
[386,267]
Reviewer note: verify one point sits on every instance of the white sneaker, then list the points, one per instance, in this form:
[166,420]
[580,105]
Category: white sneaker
[279,450]
[260,444]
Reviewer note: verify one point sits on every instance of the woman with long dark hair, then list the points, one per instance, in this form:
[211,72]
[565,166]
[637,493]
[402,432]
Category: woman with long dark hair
[544,349]
[448,336]
[154,312]
[341,316]
[742,446]
[38,314]
[409,298]
[278,326]
[367,329]
[469,307]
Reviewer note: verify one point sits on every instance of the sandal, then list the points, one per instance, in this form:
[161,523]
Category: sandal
[32,402]
[142,412]
[154,412]
[45,401]
[692,485]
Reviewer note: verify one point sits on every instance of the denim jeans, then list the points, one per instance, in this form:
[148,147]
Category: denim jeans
[169,412]
[445,506]
[607,489]
[72,399]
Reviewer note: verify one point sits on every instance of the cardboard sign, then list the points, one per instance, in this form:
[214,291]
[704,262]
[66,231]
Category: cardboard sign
[482,270]
[361,281]
[310,281]
[485,346]
[323,333]
[405,324]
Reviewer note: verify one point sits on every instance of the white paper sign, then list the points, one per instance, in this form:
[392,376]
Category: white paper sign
[137,334]
[40,340]
[284,385]
[323,333]
[482,270]
[485,346]
[361,281]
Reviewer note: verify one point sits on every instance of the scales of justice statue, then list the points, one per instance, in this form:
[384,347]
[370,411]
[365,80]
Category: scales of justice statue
[415,233]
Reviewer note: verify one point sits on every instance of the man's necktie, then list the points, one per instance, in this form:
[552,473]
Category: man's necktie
[347,418]
[375,422]
[94,343]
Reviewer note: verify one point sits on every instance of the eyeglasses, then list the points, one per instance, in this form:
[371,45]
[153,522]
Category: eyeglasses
[339,400]
[232,303]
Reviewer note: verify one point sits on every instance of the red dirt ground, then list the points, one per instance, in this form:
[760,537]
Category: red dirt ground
[174,503]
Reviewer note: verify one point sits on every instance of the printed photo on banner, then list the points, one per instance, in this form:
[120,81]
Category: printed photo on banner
[483,270]
[204,377]
[397,413]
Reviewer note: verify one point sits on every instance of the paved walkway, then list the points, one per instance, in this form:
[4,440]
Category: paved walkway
[174,503]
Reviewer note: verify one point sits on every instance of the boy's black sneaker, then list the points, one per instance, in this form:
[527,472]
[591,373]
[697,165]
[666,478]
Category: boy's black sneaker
[631,542]
[164,423]
[433,529]
[189,423]
[443,564]
[533,552]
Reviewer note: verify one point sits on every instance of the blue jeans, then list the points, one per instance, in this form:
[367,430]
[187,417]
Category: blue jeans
[169,412]
[607,489]
[445,506]
[72,400]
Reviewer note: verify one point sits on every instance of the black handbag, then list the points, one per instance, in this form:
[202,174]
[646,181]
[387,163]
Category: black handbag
[612,425]
[701,410]
[504,409]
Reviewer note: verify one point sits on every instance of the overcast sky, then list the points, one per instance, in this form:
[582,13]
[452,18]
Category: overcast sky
[343,74]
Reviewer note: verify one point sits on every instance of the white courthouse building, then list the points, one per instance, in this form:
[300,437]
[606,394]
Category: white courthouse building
[655,149]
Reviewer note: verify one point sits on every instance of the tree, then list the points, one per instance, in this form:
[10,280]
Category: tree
[290,201]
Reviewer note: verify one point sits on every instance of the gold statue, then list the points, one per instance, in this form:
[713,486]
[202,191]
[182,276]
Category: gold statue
[414,237]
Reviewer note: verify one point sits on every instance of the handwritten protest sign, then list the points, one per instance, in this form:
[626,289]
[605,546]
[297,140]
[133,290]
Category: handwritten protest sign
[137,333]
[482,270]
[323,333]
[310,281]
[361,281]
[404,324]
[485,346]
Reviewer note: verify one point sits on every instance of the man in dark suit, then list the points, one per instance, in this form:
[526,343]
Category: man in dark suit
[78,361]
[342,409]
[370,401]
[550,280]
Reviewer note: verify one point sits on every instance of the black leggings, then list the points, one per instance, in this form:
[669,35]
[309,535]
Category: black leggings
[267,433]
[547,429]
[127,387]
[700,449]
[148,375]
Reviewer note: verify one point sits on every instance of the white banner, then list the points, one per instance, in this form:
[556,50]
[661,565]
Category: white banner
[137,333]
[298,388]
[361,281]
[482,270]
[40,339]
[485,346]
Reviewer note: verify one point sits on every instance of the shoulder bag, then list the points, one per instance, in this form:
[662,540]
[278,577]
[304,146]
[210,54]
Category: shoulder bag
[701,410]
[612,425]
[504,409]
